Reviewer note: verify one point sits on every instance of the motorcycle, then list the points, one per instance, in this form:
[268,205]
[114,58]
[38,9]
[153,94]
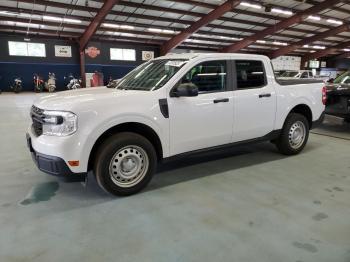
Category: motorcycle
[50,85]
[73,83]
[38,83]
[17,85]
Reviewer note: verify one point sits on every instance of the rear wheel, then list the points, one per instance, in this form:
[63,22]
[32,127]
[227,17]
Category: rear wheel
[125,163]
[294,136]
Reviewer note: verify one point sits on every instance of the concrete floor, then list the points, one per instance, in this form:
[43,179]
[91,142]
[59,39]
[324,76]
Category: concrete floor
[249,204]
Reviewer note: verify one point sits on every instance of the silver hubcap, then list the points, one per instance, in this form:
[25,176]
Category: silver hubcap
[297,134]
[128,166]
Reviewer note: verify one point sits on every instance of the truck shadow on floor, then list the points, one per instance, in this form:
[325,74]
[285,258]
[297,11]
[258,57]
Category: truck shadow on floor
[214,163]
[194,167]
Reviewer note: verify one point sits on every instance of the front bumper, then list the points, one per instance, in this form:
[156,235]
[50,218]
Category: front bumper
[51,164]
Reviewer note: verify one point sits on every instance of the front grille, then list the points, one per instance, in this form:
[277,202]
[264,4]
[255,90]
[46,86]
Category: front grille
[37,116]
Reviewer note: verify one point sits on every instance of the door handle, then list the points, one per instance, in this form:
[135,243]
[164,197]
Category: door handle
[265,95]
[221,100]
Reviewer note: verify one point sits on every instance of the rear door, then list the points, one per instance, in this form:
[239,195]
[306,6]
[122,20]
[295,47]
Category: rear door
[254,100]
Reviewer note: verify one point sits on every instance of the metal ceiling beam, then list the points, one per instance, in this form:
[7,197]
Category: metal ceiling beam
[206,19]
[255,14]
[136,32]
[295,19]
[86,19]
[287,49]
[179,11]
[96,22]
[323,53]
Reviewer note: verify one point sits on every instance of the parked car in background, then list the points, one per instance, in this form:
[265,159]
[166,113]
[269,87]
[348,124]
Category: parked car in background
[302,74]
[170,107]
[338,97]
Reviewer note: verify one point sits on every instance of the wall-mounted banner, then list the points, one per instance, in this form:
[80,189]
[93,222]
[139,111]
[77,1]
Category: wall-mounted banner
[92,51]
[147,55]
[63,51]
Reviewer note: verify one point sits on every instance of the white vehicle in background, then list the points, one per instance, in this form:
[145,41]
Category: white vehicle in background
[168,107]
[302,74]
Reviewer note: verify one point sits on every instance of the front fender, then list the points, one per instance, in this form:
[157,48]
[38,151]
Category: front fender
[92,134]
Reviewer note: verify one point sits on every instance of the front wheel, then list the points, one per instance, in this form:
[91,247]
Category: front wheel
[294,135]
[125,163]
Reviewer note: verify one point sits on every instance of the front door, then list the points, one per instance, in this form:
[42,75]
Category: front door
[205,120]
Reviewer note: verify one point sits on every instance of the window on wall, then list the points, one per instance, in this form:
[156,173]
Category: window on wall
[26,49]
[123,54]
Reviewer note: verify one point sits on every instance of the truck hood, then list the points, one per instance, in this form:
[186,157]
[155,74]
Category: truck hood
[68,100]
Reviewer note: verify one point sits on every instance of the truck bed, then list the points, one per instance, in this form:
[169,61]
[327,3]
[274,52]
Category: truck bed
[284,82]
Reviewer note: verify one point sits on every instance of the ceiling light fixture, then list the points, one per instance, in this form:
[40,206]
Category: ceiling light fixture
[8,13]
[118,26]
[168,31]
[52,18]
[313,17]
[70,20]
[127,27]
[156,30]
[279,43]
[318,47]
[110,25]
[280,11]
[333,21]
[256,6]
[346,49]
[60,19]
[261,41]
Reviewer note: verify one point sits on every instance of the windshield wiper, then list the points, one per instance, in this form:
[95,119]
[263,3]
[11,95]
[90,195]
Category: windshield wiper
[133,88]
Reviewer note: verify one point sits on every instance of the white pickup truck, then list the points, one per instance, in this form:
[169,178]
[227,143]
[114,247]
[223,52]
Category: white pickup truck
[170,106]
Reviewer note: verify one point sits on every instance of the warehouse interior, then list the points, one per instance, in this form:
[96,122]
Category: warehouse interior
[243,203]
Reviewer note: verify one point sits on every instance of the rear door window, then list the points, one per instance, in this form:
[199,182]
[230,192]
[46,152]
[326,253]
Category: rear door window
[250,74]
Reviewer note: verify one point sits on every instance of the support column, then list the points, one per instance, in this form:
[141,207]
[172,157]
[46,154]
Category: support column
[82,68]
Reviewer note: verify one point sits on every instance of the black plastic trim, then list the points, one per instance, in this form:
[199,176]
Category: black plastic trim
[318,122]
[221,100]
[164,108]
[270,136]
[51,165]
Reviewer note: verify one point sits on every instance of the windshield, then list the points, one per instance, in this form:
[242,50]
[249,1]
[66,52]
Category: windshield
[289,74]
[151,75]
[343,79]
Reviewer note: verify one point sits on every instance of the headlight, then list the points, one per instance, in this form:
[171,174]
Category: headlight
[59,123]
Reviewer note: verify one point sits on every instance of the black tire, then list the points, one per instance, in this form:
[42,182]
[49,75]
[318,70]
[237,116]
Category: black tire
[283,143]
[347,119]
[107,154]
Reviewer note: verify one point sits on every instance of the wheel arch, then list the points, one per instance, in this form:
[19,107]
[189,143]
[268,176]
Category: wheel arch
[134,127]
[304,110]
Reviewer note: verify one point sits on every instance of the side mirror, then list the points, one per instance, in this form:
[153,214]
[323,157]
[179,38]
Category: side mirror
[184,89]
